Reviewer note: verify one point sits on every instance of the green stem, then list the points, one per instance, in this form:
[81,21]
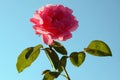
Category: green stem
[67,75]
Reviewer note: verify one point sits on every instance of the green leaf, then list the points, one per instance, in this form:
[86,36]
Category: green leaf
[50,75]
[45,71]
[27,57]
[63,61]
[59,48]
[29,52]
[98,48]
[53,58]
[77,58]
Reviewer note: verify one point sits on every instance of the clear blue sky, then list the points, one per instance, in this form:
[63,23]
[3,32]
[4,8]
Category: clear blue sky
[98,19]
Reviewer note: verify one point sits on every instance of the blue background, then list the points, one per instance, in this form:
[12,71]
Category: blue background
[98,19]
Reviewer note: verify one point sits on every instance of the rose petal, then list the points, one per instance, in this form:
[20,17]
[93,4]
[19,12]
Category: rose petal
[66,35]
[34,21]
[74,27]
[54,22]
[47,39]
[40,30]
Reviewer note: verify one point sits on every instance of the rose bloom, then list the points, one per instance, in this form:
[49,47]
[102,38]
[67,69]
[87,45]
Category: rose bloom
[54,22]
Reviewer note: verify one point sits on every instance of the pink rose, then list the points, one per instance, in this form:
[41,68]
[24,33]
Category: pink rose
[54,22]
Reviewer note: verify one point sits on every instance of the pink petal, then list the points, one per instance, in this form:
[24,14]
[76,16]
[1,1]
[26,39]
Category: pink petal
[73,28]
[47,39]
[65,36]
[34,21]
[36,18]
[40,30]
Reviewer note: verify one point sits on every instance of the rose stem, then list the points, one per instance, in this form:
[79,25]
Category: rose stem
[67,76]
